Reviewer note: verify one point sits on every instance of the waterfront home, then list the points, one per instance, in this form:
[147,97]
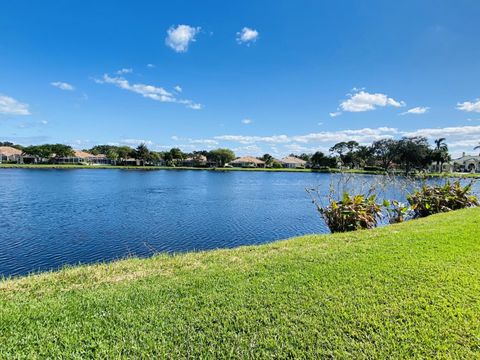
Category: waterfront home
[247,162]
[82,157]
[465,163]
[10,154]
[195,161]
[292,162]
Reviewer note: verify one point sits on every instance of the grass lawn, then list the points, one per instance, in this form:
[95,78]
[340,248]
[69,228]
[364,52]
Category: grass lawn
[152,168]
[60,166]
[402,291]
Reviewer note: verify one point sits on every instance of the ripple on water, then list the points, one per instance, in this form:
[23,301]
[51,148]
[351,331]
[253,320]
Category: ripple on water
[52,218]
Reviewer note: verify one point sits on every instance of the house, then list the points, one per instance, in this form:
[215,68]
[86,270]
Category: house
[195,161]
[292,162]
[82,157]
[465,163]
[10,154]
[247,162]
[132,162]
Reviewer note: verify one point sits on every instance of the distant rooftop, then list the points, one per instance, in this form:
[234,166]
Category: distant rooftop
[9,151]
[247,159]
[293,160]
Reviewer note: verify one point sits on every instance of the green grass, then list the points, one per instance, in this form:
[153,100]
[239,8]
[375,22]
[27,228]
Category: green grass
[153,168]
[60,166]
[402,291]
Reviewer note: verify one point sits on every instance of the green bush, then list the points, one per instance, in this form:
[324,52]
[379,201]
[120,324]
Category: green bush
[441,198]
[397,211]
[276,165]
[352,213]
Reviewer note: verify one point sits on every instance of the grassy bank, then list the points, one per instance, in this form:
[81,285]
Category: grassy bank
[408,290]
[153,168]
[54,166]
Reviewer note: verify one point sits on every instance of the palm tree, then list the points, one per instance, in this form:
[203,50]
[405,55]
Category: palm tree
[142,153]
[441,149]
[476,147]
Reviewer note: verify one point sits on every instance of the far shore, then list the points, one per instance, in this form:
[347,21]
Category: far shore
[157,168]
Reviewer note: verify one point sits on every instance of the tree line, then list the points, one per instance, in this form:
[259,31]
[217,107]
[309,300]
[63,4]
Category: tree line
[407,153]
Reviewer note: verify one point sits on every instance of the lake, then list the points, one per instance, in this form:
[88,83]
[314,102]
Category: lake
[50,218]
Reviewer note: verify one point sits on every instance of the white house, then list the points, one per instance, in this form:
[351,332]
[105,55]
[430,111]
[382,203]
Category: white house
[292,162]
[195,160]
[465,163]
[247,161]
[82,157]
[10,154]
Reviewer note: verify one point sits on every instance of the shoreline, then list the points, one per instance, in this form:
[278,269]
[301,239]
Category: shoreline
[322,281]
[158,168]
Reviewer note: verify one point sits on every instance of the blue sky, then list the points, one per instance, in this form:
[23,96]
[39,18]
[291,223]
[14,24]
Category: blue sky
[255,76]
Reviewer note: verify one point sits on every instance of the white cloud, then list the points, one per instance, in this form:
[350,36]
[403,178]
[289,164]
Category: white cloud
[124,71]
[361,135]
[298,149]
[194,141]
[194,106]
[151,66]
[254,139]
[364,135]
[460,138]
[446,132]
[178,89]
[180,37]
[63,85]
[463,144]
[148,91]
[335,113]
[31,124]
[416,110]
[469,106]
[246,121]
[364,101]
[10,106]
[248,150]
[247,35]
[203,141]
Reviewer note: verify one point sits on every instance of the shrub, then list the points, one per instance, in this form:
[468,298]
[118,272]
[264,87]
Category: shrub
[441,198]
[276,165]
[352,213]
[397,211]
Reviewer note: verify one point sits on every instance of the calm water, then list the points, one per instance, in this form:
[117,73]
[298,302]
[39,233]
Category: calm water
[50,218]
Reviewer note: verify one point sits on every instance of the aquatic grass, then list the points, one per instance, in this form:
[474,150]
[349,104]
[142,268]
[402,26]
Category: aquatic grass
[402,291]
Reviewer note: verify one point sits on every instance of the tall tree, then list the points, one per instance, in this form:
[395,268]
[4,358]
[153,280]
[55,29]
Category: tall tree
[61,151]
[49,151]
[268,159]
[345,151]
[385,151]
[142,153]
[362,156]
[221,156]
[176,154]
[440,153]
[414,152]
[319,159]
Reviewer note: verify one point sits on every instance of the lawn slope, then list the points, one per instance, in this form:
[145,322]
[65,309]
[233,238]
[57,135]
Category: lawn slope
[409,290]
